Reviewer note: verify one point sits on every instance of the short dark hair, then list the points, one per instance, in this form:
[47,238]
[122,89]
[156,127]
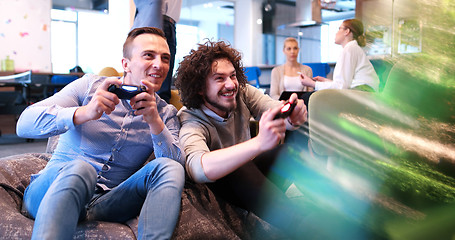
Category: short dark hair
[136,32]
[196,67]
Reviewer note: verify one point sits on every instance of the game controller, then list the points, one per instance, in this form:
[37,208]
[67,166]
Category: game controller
[126,91]
[286,110]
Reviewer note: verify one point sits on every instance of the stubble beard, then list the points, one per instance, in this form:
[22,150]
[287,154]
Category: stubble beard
[221,107]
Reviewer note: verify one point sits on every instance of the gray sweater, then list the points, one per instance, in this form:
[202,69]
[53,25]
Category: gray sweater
[200,133]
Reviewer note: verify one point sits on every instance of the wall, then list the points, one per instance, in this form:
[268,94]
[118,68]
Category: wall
[32,50]
[25,34]
[247,33]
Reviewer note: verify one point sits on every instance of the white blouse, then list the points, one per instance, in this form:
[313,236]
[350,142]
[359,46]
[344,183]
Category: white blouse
[292,84]
[352,69]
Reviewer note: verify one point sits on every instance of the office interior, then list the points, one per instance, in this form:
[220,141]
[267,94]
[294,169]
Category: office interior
[392,153]
[84,33]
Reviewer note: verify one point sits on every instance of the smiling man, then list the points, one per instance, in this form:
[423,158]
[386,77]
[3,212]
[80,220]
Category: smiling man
[99,170]
[215,132]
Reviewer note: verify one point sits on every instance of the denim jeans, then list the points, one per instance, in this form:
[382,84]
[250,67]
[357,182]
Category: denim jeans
[58,198]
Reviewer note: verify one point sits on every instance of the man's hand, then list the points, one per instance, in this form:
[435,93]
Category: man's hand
[271,132]
[102,101]
[145,104]
[299,114]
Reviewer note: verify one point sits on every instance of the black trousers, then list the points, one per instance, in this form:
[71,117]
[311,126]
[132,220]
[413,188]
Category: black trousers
[256,188]
[169,32]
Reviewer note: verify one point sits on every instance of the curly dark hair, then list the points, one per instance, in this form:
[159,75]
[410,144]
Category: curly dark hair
[195,67]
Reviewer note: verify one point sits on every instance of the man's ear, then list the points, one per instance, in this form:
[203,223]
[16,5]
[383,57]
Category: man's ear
[125,64]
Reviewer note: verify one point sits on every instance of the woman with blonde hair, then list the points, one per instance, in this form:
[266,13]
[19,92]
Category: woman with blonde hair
[286,77]
[353,69]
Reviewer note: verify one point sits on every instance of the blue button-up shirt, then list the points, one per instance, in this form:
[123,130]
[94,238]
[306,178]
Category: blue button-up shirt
[116,145]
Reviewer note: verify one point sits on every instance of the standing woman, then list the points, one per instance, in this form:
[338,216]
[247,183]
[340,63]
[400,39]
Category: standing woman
[286,77]
[353,69]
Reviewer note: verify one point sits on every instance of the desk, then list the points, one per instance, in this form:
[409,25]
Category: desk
[14,92]
[16,96]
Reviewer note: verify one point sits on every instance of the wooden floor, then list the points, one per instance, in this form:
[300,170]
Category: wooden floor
[9,149]
[11,144]
[8,124]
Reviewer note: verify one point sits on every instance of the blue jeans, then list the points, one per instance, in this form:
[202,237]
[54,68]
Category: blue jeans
[58,198]
[148,14]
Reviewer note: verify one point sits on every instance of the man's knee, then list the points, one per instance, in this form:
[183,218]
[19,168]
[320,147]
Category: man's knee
[167,164]
[82,168]
[168,169]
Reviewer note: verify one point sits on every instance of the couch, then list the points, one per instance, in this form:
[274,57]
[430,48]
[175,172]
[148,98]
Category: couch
[203,215]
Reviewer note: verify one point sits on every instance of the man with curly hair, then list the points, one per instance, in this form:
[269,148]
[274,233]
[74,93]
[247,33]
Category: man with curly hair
[215,132]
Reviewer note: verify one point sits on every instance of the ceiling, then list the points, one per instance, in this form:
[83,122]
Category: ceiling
[199,10]
[223,11]
[339,9]
[341,5]
[98,5]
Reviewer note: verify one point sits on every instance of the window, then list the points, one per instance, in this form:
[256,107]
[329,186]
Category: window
[63,40]
[202,20]
[329,50]
[94,39]
[88,38]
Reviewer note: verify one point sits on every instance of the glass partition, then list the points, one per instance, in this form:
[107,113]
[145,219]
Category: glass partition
[392,27]
[316,41]
[200,20]
[94,39]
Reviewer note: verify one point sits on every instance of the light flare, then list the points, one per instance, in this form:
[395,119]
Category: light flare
[425,147]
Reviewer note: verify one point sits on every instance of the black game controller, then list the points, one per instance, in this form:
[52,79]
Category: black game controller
[285,110]
[126,91]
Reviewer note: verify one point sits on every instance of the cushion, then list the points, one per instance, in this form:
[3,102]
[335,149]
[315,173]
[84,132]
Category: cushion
[205,216]
[109,72]
[202,216]
[15,174]
[175,99]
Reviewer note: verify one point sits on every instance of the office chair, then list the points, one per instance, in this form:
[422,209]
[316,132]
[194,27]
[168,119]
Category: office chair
[319,69]
[382,68]
[253,74]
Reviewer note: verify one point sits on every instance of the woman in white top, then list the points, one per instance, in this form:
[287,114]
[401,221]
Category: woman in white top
[353,69]
[286,77]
